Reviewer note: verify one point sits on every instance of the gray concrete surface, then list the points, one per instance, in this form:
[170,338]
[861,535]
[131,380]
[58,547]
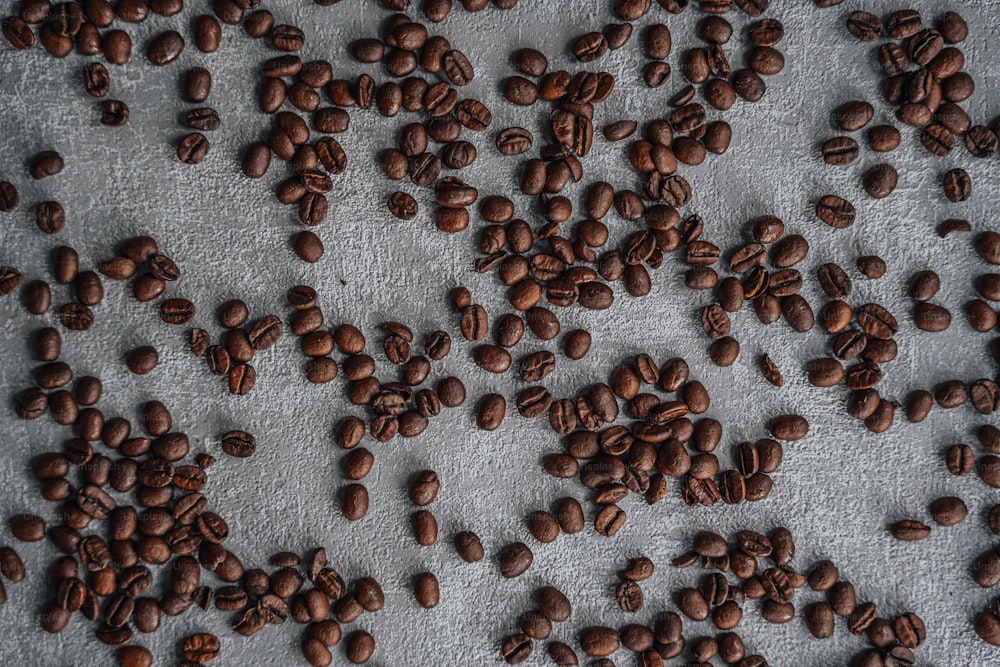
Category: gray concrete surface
[836,490]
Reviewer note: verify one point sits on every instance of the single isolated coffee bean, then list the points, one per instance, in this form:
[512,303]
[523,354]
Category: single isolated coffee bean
[957,185]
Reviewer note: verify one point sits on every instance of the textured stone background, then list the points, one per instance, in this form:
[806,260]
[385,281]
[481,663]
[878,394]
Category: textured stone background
[836,490]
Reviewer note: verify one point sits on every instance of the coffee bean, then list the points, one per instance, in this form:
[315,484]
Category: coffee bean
[50,217]
[864,26]
[957,185]
[424,527]
[609,520]
[200,647]
[835,211]
[789,251]
[880,181]
[76,316]
[948,511]
[457,68]
[424,488]
[952,27]
[931,317]
[204,119]
[514,559]
[193,148]
[142,360]
[909,530]
[18,33]
[114,113]
[514,141]
[981,141]
[242,378]
[165,48]
[629,596]
[517,648]
[871,266]
[197,84]
[177,311]
[27,527]
[597,641]
[37,297]
[840,150]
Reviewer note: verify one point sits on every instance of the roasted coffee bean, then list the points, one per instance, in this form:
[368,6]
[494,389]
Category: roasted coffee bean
[609,520]
[629,596]
[193,148]
[864,26]
[514,141]
[948,511]
[931,317]
[200,647]
[957,185]
[204,119]
[76,316]
[50,217]
[142,360]
[871,266]
[835,211]
[840,150]
[789,251]
[597,641]
[909,530]
[165,48]
[880,181]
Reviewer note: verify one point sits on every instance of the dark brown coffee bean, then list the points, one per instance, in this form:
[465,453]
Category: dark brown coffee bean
[76,316]
[18,33]
[514,141]
[948,511]
[490,412]
[165,48]
[599,641]
[629,596]
[609,520]
[876,321]
[880,181]
[177,311]
[854,115]
[50,217]
[840,150]
[193,148]
[909,530]
[457,68]
[835,211]
[957,185]
[204,119]
[864,26]
[114,113]
[514,560]
[931,317]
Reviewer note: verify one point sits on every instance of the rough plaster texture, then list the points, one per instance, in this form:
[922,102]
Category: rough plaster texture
[836,490]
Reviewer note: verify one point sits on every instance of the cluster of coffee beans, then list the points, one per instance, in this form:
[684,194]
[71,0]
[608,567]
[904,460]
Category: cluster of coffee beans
[170,528]
[722,600]
[772,291]
[231,357]
[404,46]
[615,460]
[89,27]
[778,586]
[422,492]
[400,407]
[50,217]
[136,254]
[536,625]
